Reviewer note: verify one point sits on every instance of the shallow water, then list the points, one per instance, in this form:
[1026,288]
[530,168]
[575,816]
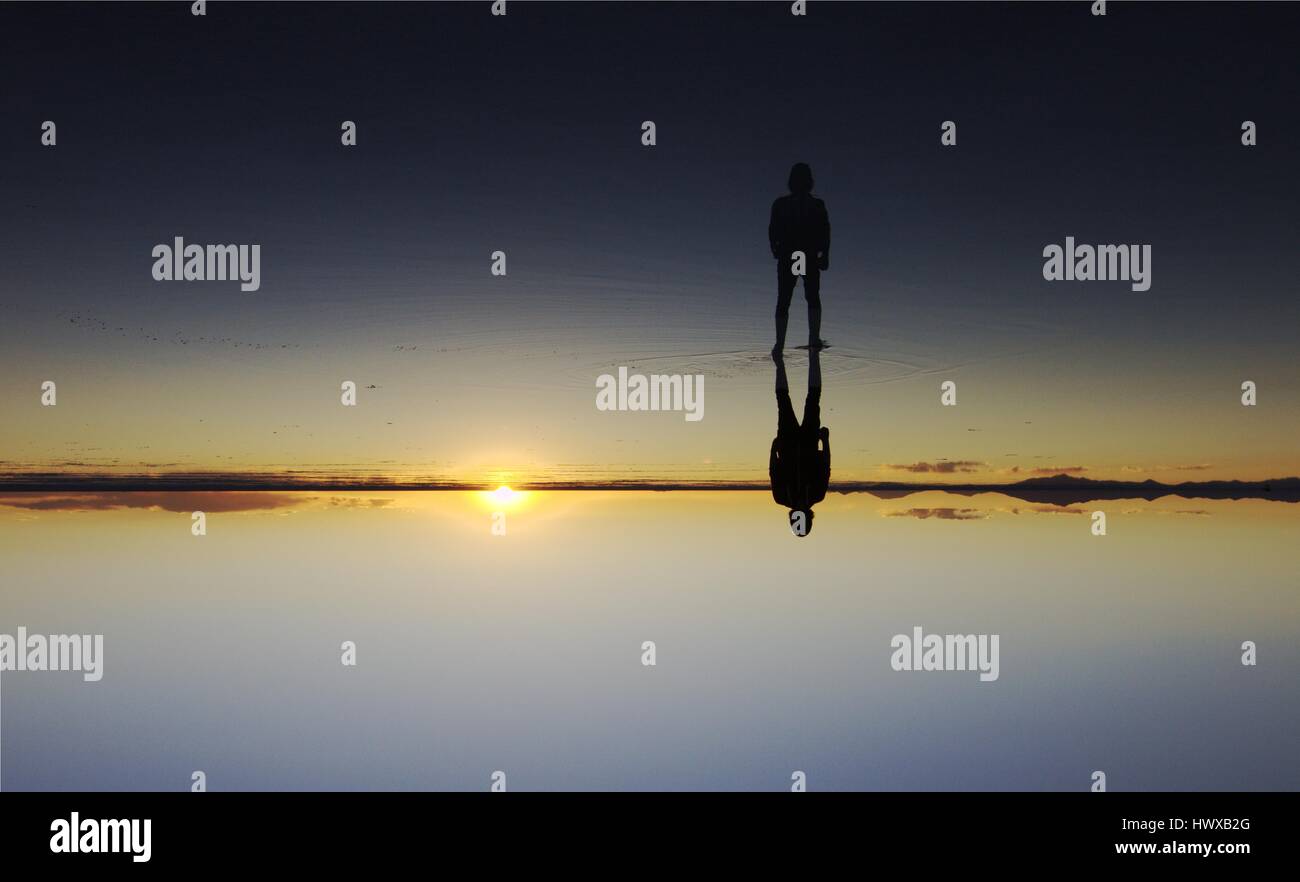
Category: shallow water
[522,653]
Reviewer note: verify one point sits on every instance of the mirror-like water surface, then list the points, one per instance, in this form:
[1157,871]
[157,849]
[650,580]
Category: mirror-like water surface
[523,652]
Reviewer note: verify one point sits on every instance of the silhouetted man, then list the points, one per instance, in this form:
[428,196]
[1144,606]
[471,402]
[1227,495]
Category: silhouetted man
[799,466]
[799,224]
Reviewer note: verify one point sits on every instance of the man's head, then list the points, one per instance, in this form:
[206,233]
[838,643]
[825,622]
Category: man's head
[801,521]
[801,179]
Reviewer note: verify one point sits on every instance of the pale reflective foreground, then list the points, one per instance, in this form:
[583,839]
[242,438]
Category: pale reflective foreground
[522,653]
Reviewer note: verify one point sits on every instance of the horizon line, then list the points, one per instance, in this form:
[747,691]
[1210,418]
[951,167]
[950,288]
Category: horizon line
[1057,488]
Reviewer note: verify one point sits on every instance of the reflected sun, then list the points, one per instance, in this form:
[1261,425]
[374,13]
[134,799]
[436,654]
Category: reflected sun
[503,496]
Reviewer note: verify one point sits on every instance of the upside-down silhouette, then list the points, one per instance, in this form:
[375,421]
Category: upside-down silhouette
[799,466]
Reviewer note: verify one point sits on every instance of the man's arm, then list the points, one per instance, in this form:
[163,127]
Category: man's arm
[823,480]
[824,240]
[772,234]
[776,475]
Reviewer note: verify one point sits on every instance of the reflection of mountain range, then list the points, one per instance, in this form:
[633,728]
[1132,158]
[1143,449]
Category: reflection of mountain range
[1065,489]
[1058,489]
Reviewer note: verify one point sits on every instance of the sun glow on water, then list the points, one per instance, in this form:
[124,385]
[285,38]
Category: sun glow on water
[504,497]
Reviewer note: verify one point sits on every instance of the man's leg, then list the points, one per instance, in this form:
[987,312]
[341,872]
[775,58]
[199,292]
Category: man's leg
[812,285]
[784,293]
[812,414]
[787,424]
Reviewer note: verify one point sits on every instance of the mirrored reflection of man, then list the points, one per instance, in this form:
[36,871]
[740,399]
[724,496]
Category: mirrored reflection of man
[799,466]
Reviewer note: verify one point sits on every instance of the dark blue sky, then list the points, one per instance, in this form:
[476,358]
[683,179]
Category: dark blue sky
[523,134]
